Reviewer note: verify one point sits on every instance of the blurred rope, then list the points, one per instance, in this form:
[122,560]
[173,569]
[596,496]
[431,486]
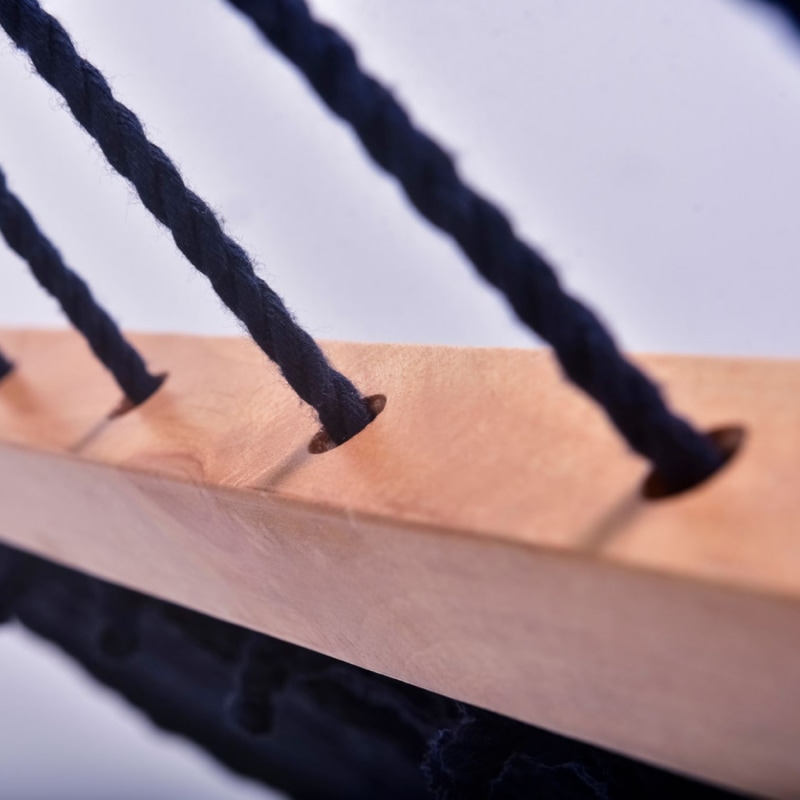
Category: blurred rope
[100,331]
[789,8]
[5,366]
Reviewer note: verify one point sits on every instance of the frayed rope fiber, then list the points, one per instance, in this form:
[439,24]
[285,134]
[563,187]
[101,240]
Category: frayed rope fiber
[587,352]
[194,227]
[101,332]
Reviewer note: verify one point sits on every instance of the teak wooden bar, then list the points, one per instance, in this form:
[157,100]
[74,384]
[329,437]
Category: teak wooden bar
[485,537]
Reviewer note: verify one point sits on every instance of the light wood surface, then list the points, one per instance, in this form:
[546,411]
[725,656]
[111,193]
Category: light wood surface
[485,537]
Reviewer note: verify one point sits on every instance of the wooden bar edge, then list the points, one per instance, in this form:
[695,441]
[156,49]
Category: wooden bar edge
[484,538]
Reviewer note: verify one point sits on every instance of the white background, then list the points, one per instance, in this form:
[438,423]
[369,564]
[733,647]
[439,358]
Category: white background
[652,149]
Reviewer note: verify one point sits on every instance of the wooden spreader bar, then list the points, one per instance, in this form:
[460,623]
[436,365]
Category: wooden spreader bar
[485,537]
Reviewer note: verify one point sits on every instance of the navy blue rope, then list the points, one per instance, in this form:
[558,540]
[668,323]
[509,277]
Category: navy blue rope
[101,332]
[5,366]
[587,352]
[119,631]
[194,227]
[790,8]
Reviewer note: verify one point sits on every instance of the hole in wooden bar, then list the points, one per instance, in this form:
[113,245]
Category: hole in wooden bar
[729,440]
[322,442]
[126,405]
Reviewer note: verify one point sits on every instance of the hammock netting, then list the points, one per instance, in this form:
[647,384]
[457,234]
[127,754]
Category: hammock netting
[290,718]
[298,721]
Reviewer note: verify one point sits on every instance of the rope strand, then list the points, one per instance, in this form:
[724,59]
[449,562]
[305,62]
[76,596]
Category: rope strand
[5,366]
[48,267]
[194,227]
[587,352]
[790,9]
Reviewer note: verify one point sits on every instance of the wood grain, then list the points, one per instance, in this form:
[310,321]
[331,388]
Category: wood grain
[485,537]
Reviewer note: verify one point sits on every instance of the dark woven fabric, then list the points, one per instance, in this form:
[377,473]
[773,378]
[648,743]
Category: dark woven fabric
[5,366]
[302,722]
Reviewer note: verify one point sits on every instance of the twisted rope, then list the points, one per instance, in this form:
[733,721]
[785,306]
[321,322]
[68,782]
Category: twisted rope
[194,227]
[587,353]
[101,332]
